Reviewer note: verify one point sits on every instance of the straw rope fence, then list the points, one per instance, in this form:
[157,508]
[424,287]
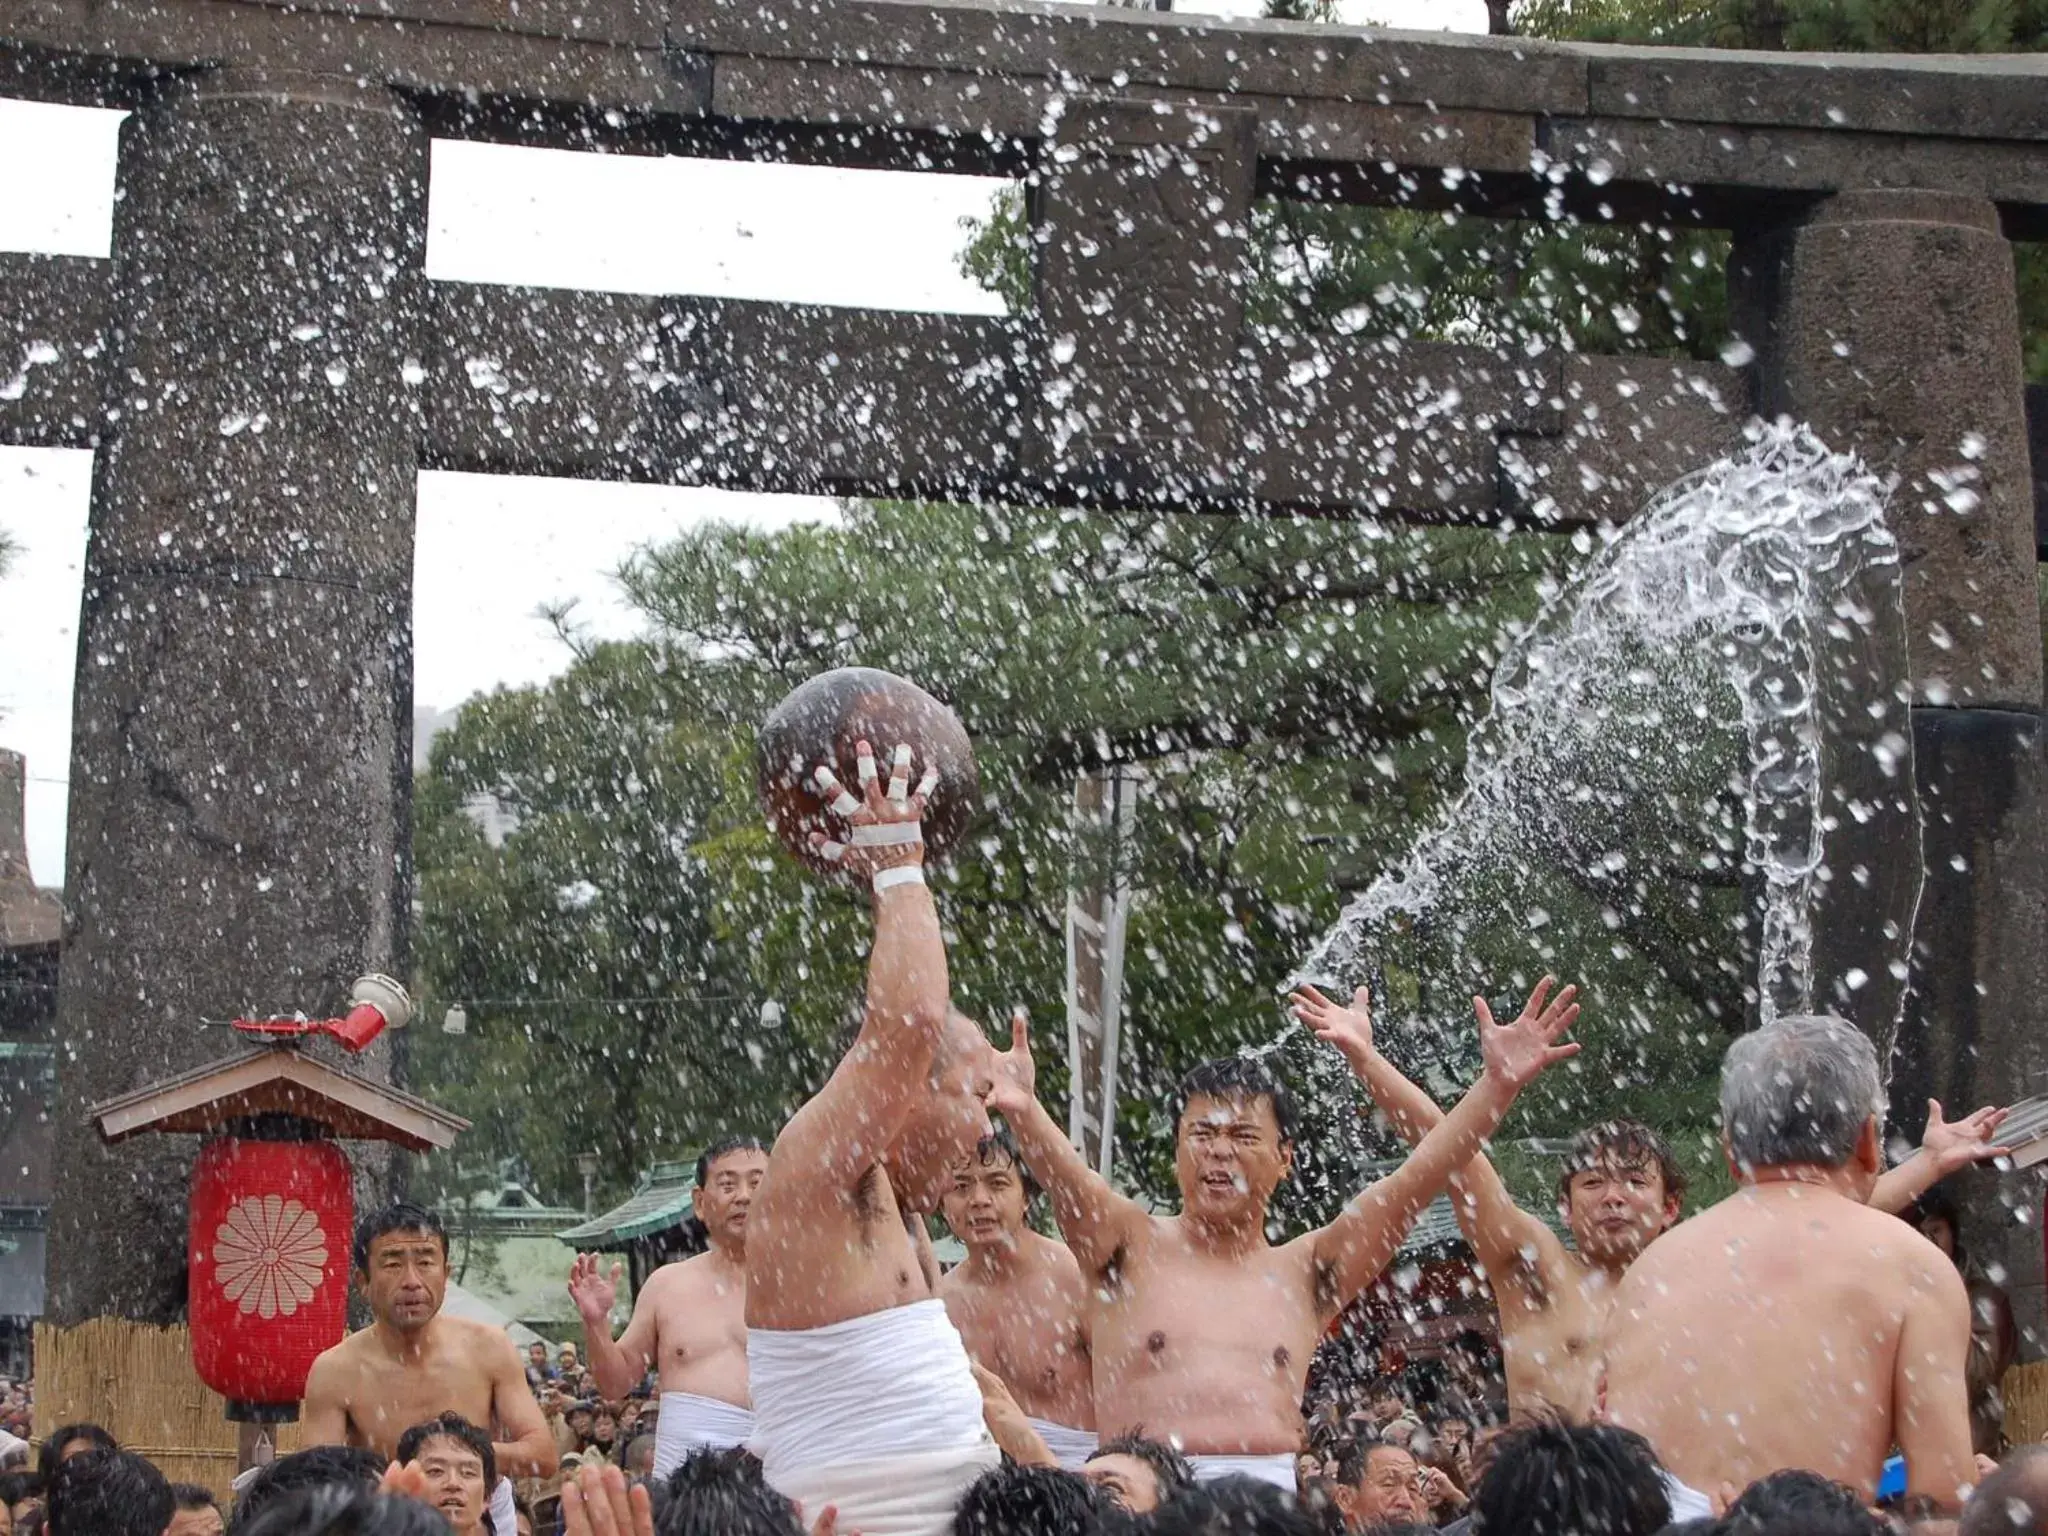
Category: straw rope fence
[2026,1403]
[138,1381]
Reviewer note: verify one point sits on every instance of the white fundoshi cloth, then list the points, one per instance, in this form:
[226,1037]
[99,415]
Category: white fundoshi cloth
[877,1416]
[1277,1469]
[1070,1447]
[504,1514]
[688,1422]
[1686,1503]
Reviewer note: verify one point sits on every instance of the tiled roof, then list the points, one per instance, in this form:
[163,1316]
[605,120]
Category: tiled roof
[662,1201]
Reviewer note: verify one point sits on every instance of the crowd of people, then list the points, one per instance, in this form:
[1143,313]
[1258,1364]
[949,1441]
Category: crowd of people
[1793,1359]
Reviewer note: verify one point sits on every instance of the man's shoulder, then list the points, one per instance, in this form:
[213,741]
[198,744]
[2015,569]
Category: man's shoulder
[477,1339]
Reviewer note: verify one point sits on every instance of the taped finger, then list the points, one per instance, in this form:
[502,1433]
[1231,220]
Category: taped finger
[843,803]
[899,774]
[826,848]
[864,759]
[928,783]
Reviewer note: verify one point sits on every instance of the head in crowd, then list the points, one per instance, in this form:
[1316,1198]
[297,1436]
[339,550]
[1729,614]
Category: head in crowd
[339,1509]
[1235,1129]
[1378,1483]
[604,1429]
[537,1356]
[1800,1504]
[1619,1188]
[1550,1478]
[566,1358]
[108,1493]
[1939,1221]
[949,1121]
[637,1459]
[194,1512]
[1012,1500]
[991,1192]
[70,1440]
[401,1257]
[1242,1506]
[1804,1092]
[1385,1404]
[350,1467]
[460,1467]
[728,1175]
[1452,1433]
[2013,1501]
[1139,1474]
[20,1490]
[722,1493]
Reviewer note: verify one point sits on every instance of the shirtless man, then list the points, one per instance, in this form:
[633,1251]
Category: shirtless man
[1202,1330]
[864,1399]
[1792,1325]
[1619,1188]
[1019,1301]
[690,1318]
[412,1364]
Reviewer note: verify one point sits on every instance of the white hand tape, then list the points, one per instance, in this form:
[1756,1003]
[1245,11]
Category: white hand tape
[866,763]
[928,783]
[903,874]
[831,852]
[845,805]
[894,834]
[899,774]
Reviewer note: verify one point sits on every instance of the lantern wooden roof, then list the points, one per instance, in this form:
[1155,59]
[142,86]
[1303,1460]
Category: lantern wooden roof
[278,1080]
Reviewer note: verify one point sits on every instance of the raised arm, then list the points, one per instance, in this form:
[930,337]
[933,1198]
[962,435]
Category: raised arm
[1931,1402]
[1095,1220]
[618,1367]
[525,1447]
[1352,1250]
[1508,1241]
[1946,1147]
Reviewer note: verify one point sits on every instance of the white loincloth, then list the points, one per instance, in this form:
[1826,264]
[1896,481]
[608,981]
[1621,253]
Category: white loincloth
[689,1423]
[1277,1469]
[503,1513]
[1686,1503]
[1070,1447]
[877,1416]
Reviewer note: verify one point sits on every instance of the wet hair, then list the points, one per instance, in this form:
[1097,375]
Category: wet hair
[720,1148]
[1245,1078]
[2013,1501]
[1551,1478]
[187,1496]
[1800,1504]
[1170,1469]
[53,1447]
[1241,1506]
[1799,1091]
[450,1426]
[402,1216]
[1353,1454]
[1013,1500]
[1620,1144]
[1939,1204]
[352,1467]
[109,1493]
[342,1510]
[999,1149]
[722,1493]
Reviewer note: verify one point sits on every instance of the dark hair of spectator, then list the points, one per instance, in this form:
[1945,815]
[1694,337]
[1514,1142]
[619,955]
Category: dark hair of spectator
[1013,1500]
[1352,1454]
[352,1467]
[53,1447]
[403,1216]
[720,1148]
[1621,1144]
[109,1493]
[1241,1506]
[192,1496]
[2013,1500]
[999,1149]
[1243,1079]
[15,1487]
[1555,1479]
[451,1426]
[1940,1203]
[722,1493]
[1800,1504]
[342,1510]
[1175,1476]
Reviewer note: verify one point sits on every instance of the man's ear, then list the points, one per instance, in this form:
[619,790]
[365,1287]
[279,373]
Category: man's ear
[697,1202]
[1673,1206]
[1870,1147]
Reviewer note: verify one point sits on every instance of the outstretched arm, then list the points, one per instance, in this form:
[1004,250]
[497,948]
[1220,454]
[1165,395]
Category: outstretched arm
[616,1367]
[1946,1147]
[1095,1220]
[1354,1248]
[525,1447]
[1506,1239]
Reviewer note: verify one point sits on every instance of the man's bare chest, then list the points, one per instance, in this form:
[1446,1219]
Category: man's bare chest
[1171,1308]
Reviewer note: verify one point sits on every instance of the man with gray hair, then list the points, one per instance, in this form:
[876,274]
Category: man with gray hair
[1792,1325]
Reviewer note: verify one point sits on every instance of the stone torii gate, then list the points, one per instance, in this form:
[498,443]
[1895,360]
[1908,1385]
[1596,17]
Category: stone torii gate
[263,368]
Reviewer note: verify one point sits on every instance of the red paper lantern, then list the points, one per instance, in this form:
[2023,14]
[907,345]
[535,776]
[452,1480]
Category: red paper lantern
[268,1261]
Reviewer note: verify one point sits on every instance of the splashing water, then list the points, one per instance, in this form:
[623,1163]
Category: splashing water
[1715,701]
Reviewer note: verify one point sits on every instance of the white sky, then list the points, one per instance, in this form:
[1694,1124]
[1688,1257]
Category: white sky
[491,550]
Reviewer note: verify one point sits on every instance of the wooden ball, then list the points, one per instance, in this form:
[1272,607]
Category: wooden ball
[822,721]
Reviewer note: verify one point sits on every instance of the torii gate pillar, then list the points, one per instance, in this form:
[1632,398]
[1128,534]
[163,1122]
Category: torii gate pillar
[240,755]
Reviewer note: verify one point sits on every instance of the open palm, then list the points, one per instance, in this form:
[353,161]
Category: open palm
[1516,1054]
